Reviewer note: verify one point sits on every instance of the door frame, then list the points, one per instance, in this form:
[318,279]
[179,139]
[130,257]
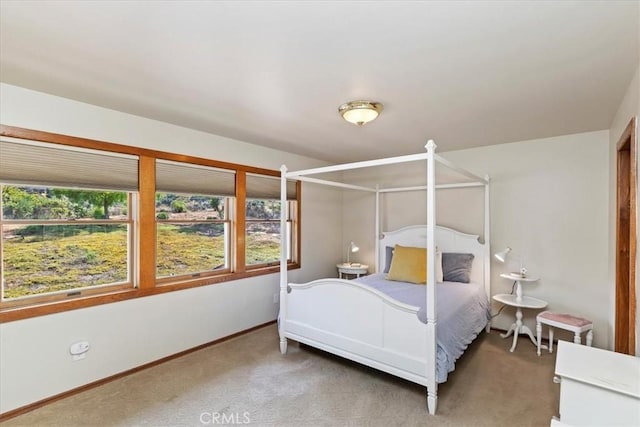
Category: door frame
[626,235]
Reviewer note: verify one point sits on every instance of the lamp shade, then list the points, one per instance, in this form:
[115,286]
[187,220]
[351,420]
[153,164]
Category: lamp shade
[502,255]
[360,112]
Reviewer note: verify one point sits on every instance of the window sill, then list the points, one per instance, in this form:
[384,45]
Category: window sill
[10,314]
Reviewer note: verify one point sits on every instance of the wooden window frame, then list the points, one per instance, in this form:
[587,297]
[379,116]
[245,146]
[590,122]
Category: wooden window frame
[144,228]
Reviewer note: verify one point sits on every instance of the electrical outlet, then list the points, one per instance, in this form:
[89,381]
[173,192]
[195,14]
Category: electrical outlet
[276,299]
[79,350]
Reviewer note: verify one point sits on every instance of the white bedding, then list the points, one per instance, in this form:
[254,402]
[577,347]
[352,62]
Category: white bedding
[462,310]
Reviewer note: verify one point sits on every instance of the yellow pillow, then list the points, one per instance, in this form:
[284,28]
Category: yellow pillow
[409,264]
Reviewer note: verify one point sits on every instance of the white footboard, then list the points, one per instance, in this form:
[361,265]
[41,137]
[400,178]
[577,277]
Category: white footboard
[359,323]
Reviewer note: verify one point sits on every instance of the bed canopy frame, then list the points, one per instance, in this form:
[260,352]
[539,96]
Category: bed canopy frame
[431,159]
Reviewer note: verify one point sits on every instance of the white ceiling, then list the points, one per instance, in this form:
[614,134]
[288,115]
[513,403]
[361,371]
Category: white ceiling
[274,73]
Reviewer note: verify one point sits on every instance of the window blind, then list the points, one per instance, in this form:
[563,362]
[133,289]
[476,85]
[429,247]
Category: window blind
[35,163]
[268,187]
[186,178]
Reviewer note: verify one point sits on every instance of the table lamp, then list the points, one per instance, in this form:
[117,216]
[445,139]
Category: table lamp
[502,257]
[351,248]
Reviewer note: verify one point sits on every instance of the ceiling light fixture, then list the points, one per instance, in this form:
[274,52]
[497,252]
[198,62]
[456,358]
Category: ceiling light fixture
[360,112]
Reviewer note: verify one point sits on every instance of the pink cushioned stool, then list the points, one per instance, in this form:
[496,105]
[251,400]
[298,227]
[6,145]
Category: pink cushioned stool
[577,325]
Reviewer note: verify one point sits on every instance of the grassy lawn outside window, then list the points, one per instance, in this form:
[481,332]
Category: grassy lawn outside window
[192,236]
[56,244]
[262,232]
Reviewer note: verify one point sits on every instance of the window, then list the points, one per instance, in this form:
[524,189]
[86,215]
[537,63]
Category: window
[86,222]
[59,241]
[193,226]
[192,235]
[262,232]
[262,220]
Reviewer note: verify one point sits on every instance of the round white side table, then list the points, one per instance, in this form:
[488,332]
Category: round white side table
[352,269]
[519,301]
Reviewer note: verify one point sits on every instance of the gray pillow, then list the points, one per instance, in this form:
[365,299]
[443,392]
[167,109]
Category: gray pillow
[456,267]
[388,256]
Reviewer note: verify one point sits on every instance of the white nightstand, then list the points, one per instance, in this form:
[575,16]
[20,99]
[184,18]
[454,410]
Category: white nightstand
[356,270]
[519,301]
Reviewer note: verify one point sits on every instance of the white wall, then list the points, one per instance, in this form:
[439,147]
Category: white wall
[34,357]
[629,107]
[549,202]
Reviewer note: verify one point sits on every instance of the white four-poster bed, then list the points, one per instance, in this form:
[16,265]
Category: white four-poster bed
[359,322]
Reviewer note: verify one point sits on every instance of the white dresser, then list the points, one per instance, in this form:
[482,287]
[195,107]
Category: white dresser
[597,387]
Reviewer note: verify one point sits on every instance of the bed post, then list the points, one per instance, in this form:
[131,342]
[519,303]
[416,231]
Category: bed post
[432,386]
[284,243]
[377,230]
[487,243]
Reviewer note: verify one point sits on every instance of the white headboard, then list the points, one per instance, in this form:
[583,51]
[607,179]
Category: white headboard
[447,240]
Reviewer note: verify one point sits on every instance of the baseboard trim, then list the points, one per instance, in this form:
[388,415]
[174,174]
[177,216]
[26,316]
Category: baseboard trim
[30,407]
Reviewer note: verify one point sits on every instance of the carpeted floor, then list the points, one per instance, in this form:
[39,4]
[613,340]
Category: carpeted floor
[247,381]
